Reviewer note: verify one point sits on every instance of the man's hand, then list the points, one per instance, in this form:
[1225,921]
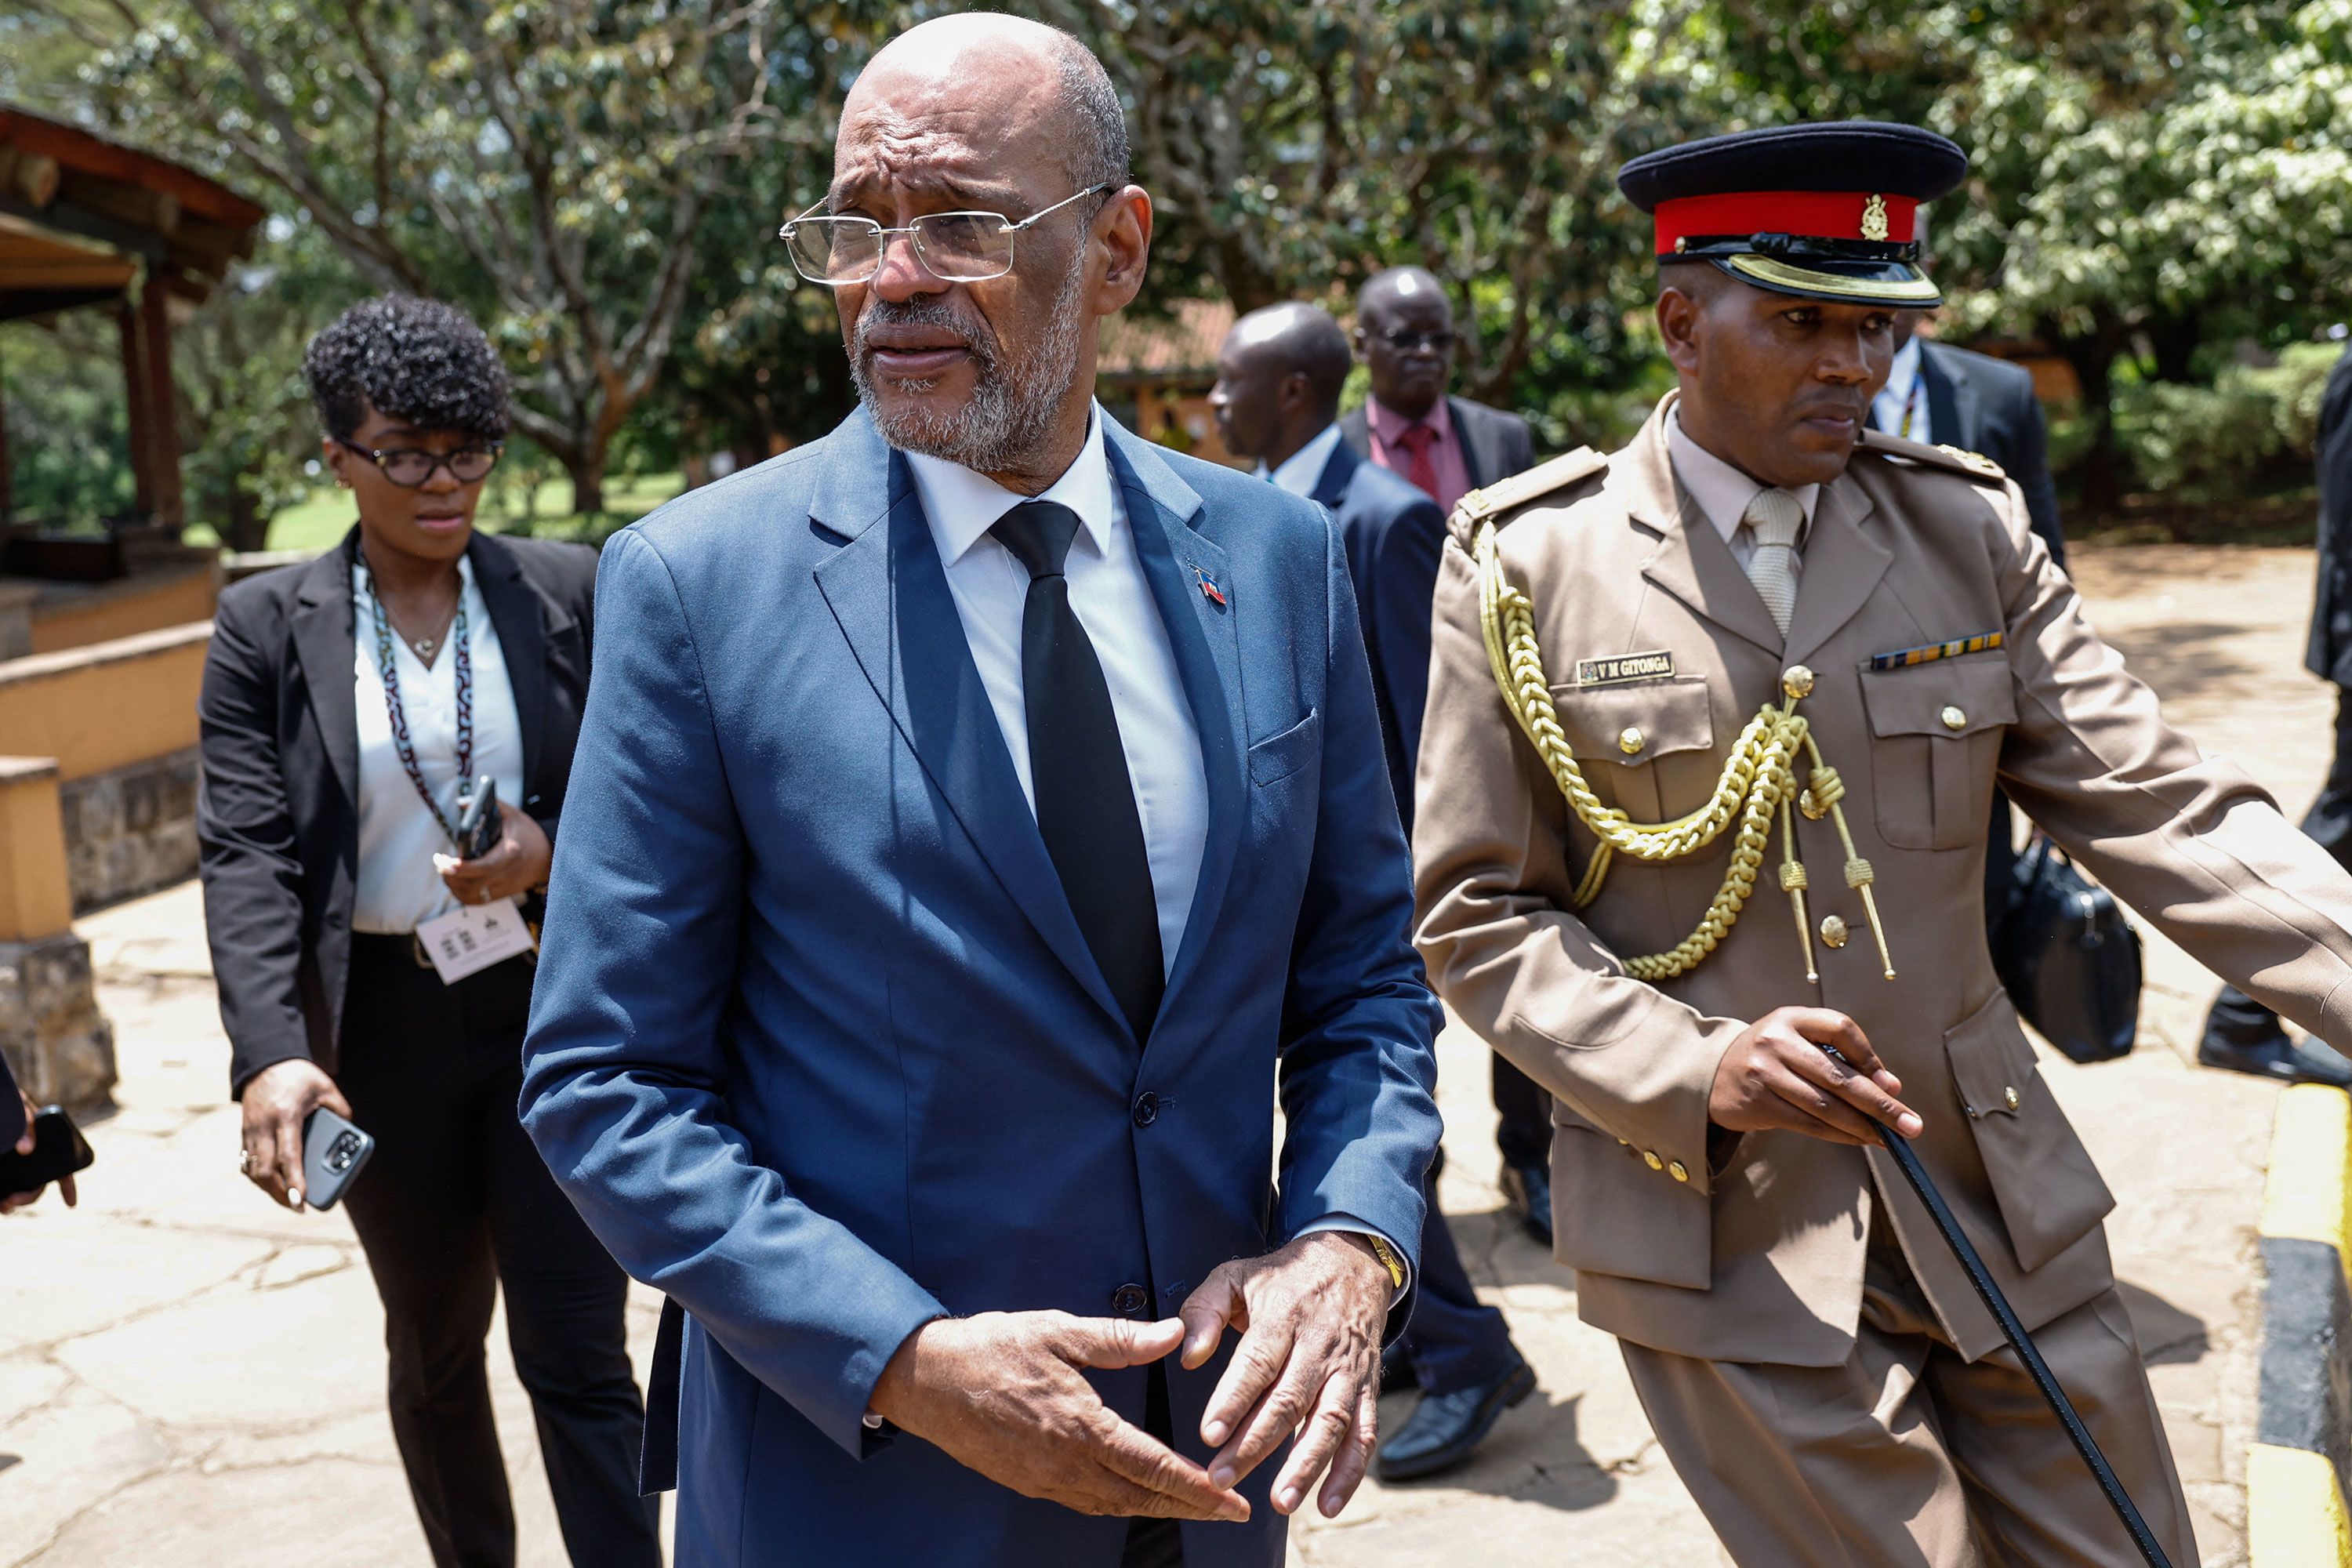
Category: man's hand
[1777,1074]
[15,1201]
[517,863]
[1002,1392]
[1310,1317]
[278,1101]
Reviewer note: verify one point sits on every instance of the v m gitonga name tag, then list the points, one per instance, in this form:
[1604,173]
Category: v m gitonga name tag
[472,937]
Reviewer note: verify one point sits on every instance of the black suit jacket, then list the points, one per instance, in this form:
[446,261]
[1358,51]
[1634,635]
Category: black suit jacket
[277,816]
[1495,444]
[1984,404]
[2330,653]
[1395,535]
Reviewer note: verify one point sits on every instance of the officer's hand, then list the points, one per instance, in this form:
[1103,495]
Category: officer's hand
[1777,1074]
[1005,1394]
[1309,1364]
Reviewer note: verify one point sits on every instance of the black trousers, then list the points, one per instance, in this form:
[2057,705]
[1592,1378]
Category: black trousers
[2238,1019]
[456,1204]
[1523,1111]
[1155,1543]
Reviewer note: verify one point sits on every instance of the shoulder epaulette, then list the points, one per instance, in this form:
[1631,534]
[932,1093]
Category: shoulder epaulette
[1976,464]
[1517,491]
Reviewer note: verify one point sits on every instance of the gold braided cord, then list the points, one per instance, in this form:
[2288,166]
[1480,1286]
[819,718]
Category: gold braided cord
[1758,785]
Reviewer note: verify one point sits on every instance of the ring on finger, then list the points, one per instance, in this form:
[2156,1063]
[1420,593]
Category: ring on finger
[244,1161]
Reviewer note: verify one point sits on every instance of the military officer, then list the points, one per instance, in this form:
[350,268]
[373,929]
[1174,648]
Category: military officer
[1714,725]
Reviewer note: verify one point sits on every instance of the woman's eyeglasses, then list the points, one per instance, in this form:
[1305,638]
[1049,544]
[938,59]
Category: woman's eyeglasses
[409,467]
[954,247]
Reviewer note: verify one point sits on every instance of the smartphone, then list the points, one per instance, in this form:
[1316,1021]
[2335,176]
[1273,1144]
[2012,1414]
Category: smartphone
[59,1150]
[334,1153]
[479,822]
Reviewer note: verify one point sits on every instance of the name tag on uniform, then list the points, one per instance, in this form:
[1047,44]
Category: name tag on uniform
[1656,666]
[472,937]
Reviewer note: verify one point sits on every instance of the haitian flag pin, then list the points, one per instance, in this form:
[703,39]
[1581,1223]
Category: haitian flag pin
[1209,589]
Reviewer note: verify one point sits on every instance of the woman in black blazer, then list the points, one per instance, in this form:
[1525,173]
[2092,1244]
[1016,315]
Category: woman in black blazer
[345,703]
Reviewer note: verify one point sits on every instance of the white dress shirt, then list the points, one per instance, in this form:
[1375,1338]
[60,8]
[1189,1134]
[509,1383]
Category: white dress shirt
[1904,390]
[1723,492]
[397,887]
[1303,469]
[1113,601]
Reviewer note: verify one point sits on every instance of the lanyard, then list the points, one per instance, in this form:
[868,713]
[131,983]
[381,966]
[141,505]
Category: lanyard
[1911,402]
[387,662]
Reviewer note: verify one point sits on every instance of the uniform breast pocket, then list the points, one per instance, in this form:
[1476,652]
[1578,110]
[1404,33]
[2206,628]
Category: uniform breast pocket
[1649,733]
[1936,733]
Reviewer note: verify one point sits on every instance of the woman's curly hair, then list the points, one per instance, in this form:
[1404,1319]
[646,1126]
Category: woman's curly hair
[417,360]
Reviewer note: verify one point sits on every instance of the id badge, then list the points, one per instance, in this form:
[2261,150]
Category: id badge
[472,937]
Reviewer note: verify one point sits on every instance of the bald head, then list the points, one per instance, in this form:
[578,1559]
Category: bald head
[1294,339]
[1404,330]
[1020,79]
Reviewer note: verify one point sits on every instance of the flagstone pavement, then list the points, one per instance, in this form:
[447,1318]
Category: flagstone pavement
[189,1376]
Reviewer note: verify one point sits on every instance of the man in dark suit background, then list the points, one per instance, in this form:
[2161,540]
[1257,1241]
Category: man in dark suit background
[1447,447]
[1956,397]
[1277,399]
[2241,1034]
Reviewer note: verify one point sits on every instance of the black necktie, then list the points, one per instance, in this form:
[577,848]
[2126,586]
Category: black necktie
[1077,770]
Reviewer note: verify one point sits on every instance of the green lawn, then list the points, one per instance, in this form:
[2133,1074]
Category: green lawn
[319,521]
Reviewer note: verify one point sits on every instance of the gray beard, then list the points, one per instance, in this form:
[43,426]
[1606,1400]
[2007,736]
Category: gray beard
[1013,405]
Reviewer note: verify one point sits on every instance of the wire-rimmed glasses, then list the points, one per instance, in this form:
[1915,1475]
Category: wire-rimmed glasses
[954,247]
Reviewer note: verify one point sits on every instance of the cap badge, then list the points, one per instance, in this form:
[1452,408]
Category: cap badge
[1874,217]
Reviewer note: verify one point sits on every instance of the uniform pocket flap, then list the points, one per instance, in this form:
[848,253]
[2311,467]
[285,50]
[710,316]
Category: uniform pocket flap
[2049,1192]
[1279,756]
[1947,698]
[1635,724]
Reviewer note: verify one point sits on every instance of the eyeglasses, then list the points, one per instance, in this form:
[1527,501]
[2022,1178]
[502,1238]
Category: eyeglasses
[409,466]
[1405,342]
[954,247]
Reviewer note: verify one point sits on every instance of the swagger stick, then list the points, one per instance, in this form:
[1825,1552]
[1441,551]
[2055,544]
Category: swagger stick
[2019,1340]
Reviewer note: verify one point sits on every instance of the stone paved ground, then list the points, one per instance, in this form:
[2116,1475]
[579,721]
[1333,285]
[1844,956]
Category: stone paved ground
[189,1376]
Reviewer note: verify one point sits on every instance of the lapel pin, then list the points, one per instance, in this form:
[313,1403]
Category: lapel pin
[1209,589]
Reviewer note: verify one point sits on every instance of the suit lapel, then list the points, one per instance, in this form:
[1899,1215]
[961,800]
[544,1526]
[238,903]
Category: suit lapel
[1160,509]
[1477,464]
[888,594]
[1842,566]
[1692,562]
[1953,415]
[519,616]
[1331,486]
[323,628]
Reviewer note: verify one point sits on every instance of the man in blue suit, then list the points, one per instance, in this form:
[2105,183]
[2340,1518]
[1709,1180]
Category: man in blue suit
[1277,399]
[977,814]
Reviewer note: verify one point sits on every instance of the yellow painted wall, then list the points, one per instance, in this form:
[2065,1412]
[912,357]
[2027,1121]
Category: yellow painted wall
[35,899]
[172,602]
[104,706]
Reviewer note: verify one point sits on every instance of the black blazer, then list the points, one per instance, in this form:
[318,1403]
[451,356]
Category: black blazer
[1395,535]
[278,815]
[1984,404]
[1495,444]
[2330,653]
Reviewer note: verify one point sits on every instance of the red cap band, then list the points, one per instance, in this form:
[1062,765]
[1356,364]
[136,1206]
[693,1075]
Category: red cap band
[1815,215]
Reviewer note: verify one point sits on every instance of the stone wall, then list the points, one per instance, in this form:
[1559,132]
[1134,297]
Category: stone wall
[129,830]
[59,1046]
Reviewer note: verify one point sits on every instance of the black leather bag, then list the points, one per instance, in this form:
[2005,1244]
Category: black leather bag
[2069,960]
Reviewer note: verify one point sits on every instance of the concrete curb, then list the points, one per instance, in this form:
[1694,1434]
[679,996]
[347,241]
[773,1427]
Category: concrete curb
[2299,1470]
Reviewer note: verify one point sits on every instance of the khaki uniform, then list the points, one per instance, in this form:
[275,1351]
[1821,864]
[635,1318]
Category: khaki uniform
[1789,1252]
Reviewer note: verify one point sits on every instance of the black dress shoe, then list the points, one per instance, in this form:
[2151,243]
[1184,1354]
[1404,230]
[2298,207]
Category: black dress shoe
[2280,1058]
[1445,1429]
[1527,1189]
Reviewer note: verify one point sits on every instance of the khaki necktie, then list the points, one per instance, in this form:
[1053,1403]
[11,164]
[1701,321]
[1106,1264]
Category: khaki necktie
[1773,520]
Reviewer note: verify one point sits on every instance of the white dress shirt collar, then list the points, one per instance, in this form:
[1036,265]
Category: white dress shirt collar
[1301,471]
[963,506]
[1722,491]
[1904,393]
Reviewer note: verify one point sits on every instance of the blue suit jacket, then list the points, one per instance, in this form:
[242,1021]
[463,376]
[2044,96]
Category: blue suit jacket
[1395,535]
[816,1045]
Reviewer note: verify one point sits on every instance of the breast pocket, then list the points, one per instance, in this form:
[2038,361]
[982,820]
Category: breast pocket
[1279,756]
[1649,734]
[1936,733]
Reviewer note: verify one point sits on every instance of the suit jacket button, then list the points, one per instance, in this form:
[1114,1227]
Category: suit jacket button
[1129,1299]
[1147,1108]
[1650,1158]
